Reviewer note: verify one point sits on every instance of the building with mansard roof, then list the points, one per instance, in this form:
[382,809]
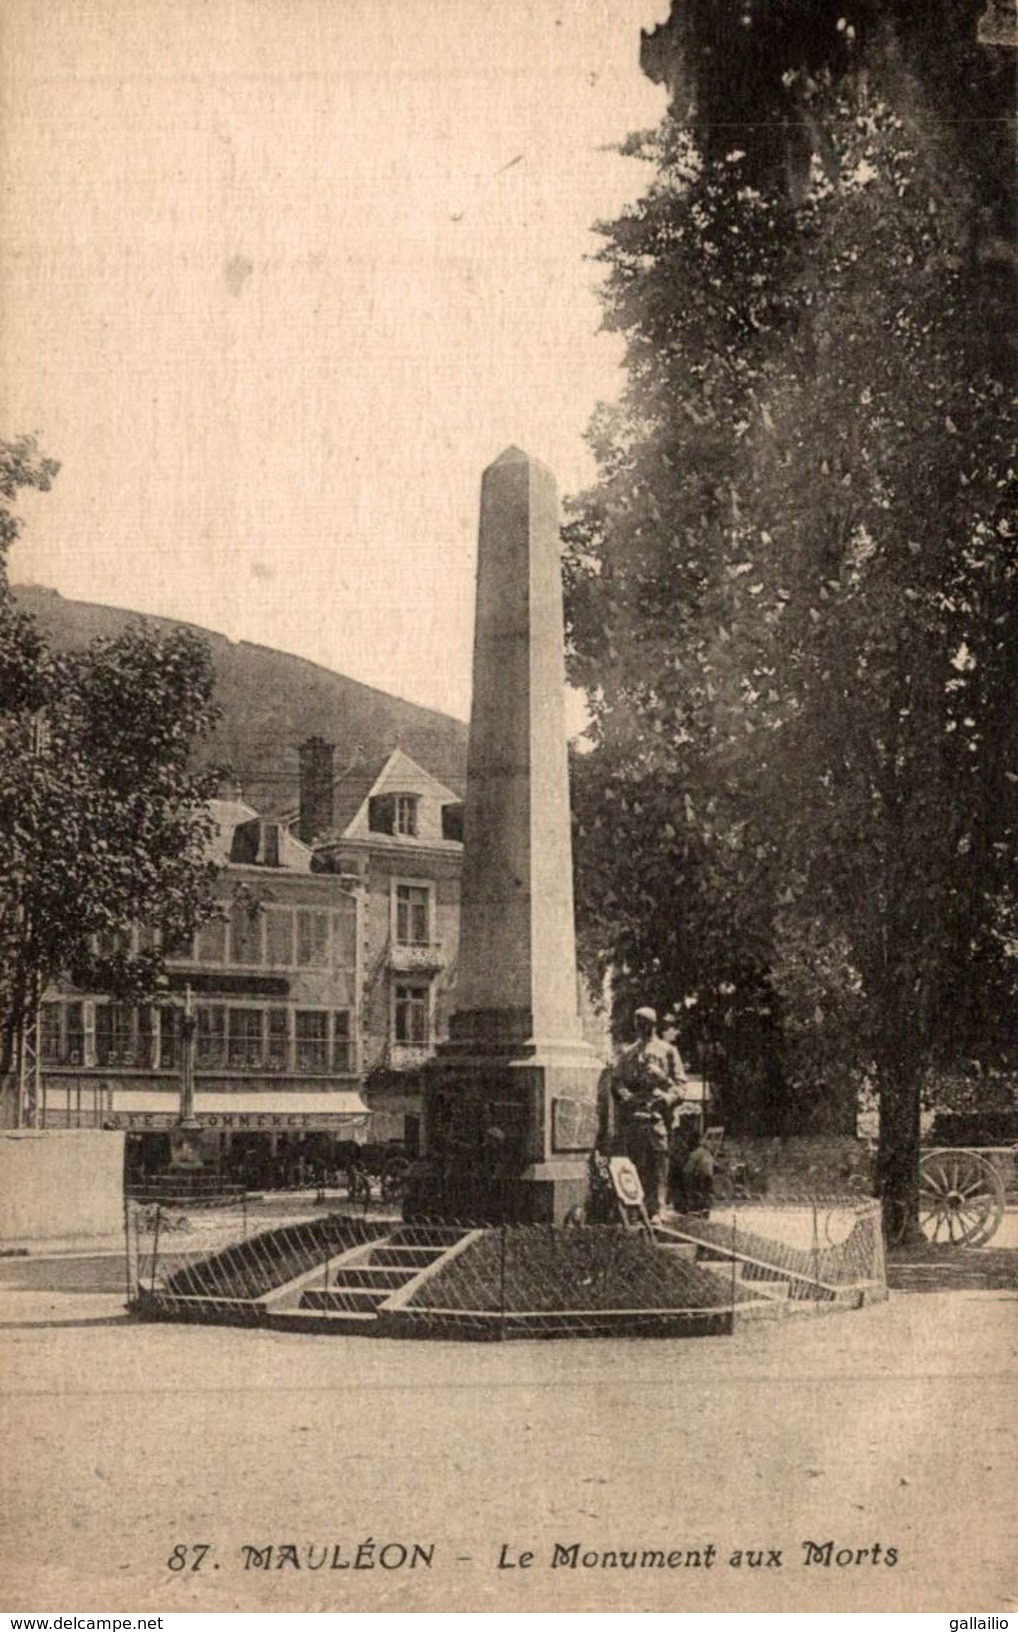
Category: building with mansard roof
[388,822]
[273,985]
[317,992]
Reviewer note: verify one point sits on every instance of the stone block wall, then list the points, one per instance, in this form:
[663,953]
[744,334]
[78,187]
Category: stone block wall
[57,1185]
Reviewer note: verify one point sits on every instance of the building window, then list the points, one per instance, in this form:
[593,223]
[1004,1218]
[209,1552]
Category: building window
[342,1042]
[62,1034]
[246,926]
[312,1042]
[278,1044]
[145,1021]
[344,935]
[169,1039]
[279,937]
[405,815]
[51,1034]
[413,902]
[123,1036]
[112,1034]
[244,1051]
[312,938]
[411,1016]
[210,1049]
[452,822]
[114,943]
[211,947]
[74,1033]
[393,813]
[381,813]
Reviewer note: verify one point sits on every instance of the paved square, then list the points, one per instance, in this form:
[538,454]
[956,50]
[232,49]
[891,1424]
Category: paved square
[895,1425]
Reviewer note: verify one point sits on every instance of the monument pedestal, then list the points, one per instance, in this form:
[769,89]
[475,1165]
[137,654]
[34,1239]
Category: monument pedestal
[509,1138]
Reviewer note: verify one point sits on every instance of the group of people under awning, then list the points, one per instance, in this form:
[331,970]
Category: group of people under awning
[640,1117]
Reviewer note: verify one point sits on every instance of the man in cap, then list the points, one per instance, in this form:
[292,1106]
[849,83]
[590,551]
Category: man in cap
[646,1087]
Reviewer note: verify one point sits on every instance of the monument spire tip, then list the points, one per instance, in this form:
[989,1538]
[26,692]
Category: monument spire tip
[514,457]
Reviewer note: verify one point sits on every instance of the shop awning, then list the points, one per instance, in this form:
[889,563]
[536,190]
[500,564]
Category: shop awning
[140,1108]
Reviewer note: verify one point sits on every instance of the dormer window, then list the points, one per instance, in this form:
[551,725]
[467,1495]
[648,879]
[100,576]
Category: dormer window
[406,814]
[452,822]
[394,813]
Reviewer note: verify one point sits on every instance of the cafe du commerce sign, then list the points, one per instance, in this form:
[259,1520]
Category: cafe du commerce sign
[135,1121]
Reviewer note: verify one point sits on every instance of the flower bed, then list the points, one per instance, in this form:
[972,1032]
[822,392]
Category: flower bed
[252,1268]
[538,1268]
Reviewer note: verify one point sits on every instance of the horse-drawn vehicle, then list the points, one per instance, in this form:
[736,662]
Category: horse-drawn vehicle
[961,1196]
[374,1169]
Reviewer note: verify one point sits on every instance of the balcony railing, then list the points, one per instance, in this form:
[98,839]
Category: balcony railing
[416,958]
[407,1056]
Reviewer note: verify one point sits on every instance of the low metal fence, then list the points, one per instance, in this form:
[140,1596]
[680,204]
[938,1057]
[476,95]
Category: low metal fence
[199,1250]
[348,1271]
[813,1249]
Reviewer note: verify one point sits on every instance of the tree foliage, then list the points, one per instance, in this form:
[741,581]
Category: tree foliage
[791,591]
[103,823]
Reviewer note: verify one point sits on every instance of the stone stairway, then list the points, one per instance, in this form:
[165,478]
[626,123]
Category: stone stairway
[755,1282]
[768,1281]
[348,1293]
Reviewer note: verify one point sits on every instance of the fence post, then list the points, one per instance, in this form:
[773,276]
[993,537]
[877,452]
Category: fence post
[127,1249]
[155,1248]
[501,1283]
[816,1255]
[878,1253]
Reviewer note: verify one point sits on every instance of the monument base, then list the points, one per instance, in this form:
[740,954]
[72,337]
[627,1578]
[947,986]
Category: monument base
[507,1140]
[548,1192]
[469,1193]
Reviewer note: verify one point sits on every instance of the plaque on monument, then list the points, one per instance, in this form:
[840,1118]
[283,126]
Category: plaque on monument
[573,1124]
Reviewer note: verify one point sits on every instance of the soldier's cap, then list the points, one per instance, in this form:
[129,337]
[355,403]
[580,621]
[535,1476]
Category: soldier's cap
[646,1014]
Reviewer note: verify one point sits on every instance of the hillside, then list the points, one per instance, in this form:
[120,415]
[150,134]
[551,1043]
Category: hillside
[271,701]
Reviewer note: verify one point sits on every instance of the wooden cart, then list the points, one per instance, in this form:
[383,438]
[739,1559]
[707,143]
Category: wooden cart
[961,1197]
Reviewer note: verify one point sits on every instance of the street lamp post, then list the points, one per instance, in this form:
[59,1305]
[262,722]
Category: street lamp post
[185,1146]
[188,1030]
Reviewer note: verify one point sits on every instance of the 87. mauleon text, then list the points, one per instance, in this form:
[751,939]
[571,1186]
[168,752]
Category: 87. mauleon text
[372,1554]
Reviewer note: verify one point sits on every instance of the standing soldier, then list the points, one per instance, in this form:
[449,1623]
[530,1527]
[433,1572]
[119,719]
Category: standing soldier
[646,1087]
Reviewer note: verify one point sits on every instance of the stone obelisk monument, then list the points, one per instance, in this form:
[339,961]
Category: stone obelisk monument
[510,1107]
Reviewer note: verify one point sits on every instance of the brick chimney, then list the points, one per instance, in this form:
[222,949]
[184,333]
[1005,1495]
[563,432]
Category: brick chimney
[316,777]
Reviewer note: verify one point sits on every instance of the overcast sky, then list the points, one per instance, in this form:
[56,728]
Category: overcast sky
[281,277]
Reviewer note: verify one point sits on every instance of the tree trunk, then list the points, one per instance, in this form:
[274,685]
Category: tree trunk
[898,1152]
[10,1086]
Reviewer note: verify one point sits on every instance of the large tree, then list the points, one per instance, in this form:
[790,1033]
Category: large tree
[792,588]
[103,823]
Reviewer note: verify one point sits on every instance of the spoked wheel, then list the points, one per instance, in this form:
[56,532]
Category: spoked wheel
[961,1198]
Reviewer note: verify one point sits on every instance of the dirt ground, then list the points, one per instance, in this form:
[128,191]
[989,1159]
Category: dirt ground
[893,1426]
